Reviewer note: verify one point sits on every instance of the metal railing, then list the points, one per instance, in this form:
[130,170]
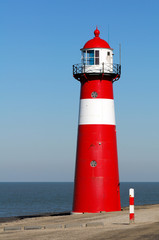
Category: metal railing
[106,68]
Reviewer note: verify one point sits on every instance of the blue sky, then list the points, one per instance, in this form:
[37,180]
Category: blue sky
[39,99]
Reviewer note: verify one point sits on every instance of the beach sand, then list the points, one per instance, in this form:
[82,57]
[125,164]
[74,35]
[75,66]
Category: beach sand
[113,225]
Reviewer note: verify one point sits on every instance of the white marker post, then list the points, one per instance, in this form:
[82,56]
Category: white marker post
[131,205]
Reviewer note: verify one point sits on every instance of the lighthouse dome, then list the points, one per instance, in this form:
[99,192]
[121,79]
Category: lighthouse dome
[96,42]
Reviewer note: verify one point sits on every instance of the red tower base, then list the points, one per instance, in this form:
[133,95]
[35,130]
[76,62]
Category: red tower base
[96,188]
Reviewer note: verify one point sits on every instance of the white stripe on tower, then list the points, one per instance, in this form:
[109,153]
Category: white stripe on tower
[97,111]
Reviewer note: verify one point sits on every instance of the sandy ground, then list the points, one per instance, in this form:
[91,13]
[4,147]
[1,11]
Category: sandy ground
[101,226]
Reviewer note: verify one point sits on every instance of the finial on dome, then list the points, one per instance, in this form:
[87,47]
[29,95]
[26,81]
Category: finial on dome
[96,32]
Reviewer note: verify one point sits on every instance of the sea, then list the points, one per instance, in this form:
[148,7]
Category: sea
[27,198]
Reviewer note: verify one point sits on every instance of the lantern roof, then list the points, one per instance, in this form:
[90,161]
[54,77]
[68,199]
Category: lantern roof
[96,42]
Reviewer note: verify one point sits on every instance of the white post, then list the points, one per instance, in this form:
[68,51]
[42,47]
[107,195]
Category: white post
[131,205]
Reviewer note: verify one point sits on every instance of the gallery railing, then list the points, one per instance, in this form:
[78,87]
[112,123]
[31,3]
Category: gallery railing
[106,68]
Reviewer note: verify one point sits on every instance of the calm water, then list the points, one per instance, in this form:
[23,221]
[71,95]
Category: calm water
[30,198]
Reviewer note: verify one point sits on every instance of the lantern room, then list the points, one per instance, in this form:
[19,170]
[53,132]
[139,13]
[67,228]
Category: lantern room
[97,51]
[97,55]
[96,59]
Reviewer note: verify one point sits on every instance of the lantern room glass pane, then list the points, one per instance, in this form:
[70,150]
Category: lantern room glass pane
[90,57]
[84,57]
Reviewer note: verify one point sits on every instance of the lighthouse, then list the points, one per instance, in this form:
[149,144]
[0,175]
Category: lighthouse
[96,185]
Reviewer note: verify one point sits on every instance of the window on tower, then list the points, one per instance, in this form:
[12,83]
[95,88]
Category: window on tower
[90,57]
[96,57]
[84,59]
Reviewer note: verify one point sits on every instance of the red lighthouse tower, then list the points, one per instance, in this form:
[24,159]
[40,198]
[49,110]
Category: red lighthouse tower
[97,185]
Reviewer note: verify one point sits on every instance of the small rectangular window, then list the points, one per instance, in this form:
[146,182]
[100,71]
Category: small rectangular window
[108,53]
[97,54]
[96,61]
[97,57]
